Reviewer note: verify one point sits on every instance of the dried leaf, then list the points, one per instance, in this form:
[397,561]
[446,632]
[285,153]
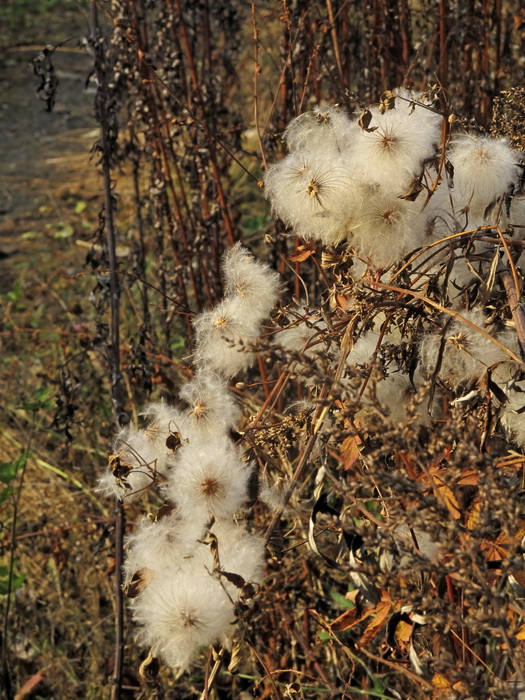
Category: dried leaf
[350,452]
[520,634]
[138,583]
[381,613]
[346,620]
[236,579]
[439,681]
[470,477]
[387,101]
[415,660]
[302,253]
[413,191]
[403,631]
[352,595]
[446,493]
[235,658]
[498,549]
[149,669]
[364,121]
[474,516]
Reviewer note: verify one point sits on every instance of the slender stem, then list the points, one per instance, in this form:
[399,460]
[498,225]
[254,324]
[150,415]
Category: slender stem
[117,391]
[516,309]
[256,71]
[6,676]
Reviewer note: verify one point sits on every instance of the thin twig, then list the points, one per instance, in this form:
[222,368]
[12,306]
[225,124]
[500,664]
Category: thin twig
[516,309]
[6,676]
[117,393]
[256,71]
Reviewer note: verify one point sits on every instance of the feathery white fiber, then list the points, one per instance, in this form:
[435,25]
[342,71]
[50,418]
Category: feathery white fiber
[393,153]
[484,169]
[466,353]
[251,283]
[222,336]
[135,465]
[212,410]
[163,420]
[303,332]
[418,105]
[182,611]
[394,390]
[239,552]
[184,571]
[208,479]
[385,227]
[438,219]
[311,194]
[156,544]
[188,603]
[326,128]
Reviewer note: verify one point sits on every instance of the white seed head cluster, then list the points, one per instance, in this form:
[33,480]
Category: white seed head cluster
[365,179]
[391,184]
[187,570]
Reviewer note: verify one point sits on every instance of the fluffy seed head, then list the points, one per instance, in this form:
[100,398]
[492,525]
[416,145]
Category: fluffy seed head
[222,336]
[484,169]
[251,283]
[212,410]
[209,479]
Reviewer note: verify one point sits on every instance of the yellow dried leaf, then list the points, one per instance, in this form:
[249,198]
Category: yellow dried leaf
[474,516]
[450,501]
[439,681]
[403,631]
[352,595]
[520,634]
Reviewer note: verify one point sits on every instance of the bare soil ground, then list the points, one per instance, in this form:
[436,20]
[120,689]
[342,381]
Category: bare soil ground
[45,164]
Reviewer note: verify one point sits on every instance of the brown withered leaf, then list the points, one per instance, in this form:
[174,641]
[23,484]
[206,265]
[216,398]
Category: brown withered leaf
[498,549]
[381,612]
[249,591]
[236,579]
[364,121]
[275,545]
[387,101]
[303,252]
[413,191]
[138,583]
[469,477]
[350,618]
[350,451]
[163,511]
[346,620]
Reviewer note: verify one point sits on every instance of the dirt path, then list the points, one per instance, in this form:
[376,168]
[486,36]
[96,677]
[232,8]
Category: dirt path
[44,168]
